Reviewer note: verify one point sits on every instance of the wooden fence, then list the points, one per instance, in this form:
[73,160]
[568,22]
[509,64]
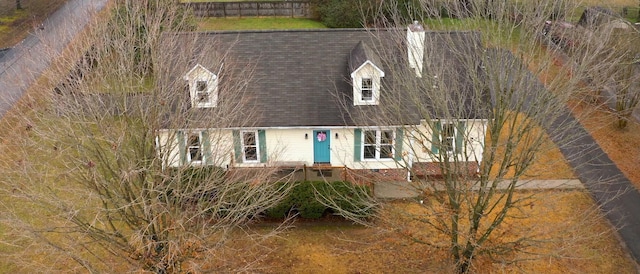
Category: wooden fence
[251,9]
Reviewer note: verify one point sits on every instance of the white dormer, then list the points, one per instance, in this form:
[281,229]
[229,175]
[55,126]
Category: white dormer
[366,84]
[203,87]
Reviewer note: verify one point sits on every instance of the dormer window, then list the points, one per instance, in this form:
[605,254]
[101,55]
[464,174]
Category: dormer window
[366,75]
[366,85]
[202,94]
[203,87]
[367,89]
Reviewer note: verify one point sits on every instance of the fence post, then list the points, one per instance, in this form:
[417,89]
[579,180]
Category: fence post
[278,8]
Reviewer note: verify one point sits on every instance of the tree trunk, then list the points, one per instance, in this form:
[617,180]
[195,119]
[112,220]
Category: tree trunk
[18,5]
[463,265]
[622,122]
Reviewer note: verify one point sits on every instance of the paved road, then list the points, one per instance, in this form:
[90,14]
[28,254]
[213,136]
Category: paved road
[610,188]
[24,63]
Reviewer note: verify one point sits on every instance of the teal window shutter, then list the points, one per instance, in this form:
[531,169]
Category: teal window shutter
[237,146]
[460,136]
[357,144]
[262,143]
[435,137]
[182,150]
[399,141]
[206,148]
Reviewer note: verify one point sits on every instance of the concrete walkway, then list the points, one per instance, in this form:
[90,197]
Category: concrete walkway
[21,65]
[406,190]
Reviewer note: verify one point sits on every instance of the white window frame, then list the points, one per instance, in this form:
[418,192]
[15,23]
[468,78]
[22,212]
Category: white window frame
[378,145]
[210,89]
[370,88]
[366,71]
[204,91]
[245,146]
[444,146]
[202,83]
[199,146]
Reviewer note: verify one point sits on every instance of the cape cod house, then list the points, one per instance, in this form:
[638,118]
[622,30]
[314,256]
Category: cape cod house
[322,99]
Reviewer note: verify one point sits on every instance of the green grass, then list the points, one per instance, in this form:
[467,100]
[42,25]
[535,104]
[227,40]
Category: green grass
[15,25]
[206,1]
[10,19]
[631,13]
[256,23]
[493,34]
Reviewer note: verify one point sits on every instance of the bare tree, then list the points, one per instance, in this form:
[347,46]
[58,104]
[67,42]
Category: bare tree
[484,120]
[99,162]
[628,91]
[621,57]
[603,50]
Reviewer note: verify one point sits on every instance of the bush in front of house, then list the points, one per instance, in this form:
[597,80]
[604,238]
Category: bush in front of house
[304,199]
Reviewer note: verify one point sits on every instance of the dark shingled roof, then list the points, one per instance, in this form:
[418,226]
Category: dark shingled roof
[595,16]
[302,77]
[360,54]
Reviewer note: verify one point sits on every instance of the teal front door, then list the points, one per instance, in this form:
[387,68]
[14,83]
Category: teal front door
[321,146]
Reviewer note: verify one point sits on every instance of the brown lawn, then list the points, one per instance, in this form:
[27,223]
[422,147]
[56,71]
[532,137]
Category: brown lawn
[338,247]
[572,245]
[621,145]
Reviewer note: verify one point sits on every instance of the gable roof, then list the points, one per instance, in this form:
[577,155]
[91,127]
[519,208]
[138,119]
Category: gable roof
[361,55]
[301,78]
[595,16]
[195,69]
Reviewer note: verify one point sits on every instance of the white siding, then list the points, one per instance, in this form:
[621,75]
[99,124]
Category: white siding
[220,147]
[290,145]
[286,146]
[475,131]
[167,147]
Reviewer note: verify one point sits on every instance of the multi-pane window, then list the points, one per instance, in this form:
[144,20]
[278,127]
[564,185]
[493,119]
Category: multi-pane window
[194,148]
[386,144]
[378,144]
[202,94]
[367,89]
[448,137]
[250,146]
[369,144]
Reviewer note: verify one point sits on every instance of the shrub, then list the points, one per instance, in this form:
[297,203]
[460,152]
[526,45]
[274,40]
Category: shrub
[303,199]
[339,13]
